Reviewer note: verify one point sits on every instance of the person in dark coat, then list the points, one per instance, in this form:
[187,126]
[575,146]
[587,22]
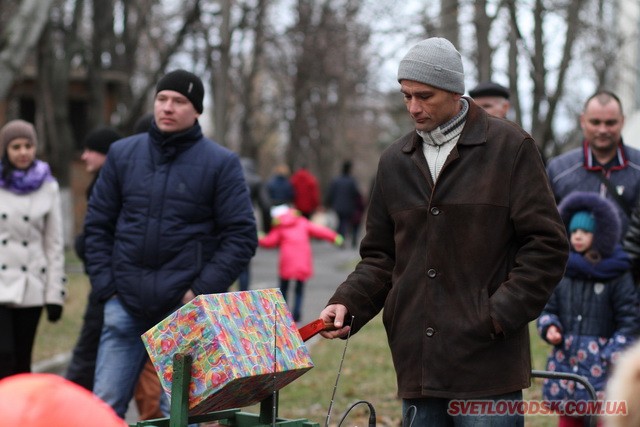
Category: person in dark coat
[345,200]
[463,248]
[280,192]
[169,218]
[593,313]
[82,365]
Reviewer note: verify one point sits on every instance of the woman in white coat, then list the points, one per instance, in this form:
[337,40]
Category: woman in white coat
[31,246]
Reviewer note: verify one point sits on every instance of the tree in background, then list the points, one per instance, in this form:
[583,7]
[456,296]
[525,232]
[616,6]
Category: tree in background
[298,80]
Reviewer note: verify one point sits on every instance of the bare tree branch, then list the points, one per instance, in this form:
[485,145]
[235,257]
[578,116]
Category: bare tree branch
[19,38]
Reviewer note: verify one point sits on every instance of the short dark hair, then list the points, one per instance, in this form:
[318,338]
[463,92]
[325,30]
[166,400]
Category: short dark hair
[603,96]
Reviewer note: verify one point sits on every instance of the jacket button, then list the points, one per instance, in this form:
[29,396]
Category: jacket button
[43,270]
[430,332]
[25,243]
[4,241]
[435,211]
[23,268]
[431,273]
[26,218]
[3,267]
[3,216]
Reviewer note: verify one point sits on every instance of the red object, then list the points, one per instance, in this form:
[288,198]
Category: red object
[306,193]
[292,233]
[48,400]
[311,329]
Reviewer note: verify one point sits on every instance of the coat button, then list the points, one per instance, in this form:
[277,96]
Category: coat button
[4,241]
[23,268]
[26,218]
[435,211]
[430,332]
[3,216]
[431,273]
[25,243]
[3,267]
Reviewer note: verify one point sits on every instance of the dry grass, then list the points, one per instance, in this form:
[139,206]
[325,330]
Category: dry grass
[60,337]
[367,374]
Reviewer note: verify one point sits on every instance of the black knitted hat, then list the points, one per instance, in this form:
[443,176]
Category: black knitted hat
[185,83]
[100,139]
[489,89]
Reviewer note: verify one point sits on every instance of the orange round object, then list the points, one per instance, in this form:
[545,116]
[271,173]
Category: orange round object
[47,400]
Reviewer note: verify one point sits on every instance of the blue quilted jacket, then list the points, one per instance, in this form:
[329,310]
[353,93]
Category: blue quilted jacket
[595,305]
[169,212]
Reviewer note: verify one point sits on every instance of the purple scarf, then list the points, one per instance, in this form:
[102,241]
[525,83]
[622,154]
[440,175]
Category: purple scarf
[26,181]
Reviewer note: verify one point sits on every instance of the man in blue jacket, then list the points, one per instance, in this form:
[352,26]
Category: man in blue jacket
[602,164]
[169,218]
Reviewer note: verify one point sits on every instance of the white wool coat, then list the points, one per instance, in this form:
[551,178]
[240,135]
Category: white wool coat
[31,248]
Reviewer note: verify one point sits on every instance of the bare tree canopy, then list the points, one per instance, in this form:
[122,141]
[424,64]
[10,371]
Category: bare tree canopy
[302,81]
[21,35]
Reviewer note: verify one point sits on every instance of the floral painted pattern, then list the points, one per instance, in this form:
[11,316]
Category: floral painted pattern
[587,356]
[244,346]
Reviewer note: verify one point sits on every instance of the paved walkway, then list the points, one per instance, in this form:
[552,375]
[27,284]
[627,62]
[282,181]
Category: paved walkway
[331,266]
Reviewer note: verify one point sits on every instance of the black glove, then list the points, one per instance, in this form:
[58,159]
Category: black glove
[54,312]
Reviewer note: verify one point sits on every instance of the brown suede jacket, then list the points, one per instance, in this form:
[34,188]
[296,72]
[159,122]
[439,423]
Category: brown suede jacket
[484,243]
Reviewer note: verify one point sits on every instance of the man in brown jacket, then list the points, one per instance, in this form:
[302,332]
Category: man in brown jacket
[464,246]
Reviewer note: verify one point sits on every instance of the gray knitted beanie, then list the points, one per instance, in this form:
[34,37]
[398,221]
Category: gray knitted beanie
[435,62]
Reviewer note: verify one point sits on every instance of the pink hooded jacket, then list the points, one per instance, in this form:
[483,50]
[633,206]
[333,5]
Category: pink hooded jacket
[292,233]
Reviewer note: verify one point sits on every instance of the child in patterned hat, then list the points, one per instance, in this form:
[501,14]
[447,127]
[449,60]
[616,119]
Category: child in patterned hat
[593,312]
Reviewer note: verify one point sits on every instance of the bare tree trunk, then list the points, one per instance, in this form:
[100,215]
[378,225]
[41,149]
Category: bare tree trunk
[220,75]
[249,144]
[52,115]
[573,28]
[449,27]
[302,80]
[514,72]
[102,41]
[538,73]
[484,51]
[19,38]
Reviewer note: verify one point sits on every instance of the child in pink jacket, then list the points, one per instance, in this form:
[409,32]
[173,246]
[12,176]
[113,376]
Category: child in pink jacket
[292,233]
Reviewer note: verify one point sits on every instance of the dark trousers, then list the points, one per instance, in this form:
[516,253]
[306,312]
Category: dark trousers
[18,328]
[82,366]
[441,412]
[299,292]
[244,278]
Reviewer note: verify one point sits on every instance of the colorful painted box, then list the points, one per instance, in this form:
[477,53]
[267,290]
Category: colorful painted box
[244,346]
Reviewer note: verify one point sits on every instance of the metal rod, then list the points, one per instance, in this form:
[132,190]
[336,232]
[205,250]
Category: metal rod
[335,386]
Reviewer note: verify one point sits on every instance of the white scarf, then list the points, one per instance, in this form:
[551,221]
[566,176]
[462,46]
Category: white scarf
[439,142]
